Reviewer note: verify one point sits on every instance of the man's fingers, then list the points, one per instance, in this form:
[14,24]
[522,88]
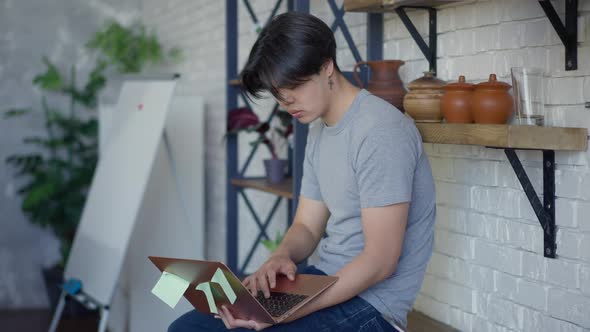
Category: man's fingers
[289,271]
[263,284]
[272,278]
[223,318]
[253,287]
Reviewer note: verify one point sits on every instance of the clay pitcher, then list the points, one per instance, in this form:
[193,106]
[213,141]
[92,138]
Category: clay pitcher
[385,81]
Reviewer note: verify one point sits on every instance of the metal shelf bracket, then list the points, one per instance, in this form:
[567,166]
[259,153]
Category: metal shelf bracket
[429,50]
[545,212]
[568,33]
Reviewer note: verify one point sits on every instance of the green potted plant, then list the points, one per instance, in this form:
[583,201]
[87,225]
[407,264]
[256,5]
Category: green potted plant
[270,133]
[60,168]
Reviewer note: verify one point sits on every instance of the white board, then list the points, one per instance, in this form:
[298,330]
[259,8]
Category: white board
[118,186]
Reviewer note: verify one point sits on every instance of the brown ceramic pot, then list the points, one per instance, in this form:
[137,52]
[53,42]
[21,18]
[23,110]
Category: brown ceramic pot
[492,104]
[455,104]
[385,81]
[422,102]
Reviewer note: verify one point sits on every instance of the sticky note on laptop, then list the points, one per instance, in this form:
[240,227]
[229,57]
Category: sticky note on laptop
[220,278]
[170,288]
[205,287]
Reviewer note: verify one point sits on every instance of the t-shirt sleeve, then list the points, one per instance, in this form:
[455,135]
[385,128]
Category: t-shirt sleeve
[310,187]
[385,166]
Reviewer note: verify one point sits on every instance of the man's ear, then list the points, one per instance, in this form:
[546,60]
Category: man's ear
[329,67]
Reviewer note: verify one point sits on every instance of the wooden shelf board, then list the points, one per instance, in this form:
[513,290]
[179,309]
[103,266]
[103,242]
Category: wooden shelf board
[506,136]
[284,189]
[378,6]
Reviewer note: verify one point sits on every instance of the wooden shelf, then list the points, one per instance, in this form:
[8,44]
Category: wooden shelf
[378,6]
[506,136]
[284,189]
[235,82]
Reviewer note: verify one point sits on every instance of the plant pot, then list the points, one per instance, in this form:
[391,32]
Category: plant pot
[53,278]
[275,170]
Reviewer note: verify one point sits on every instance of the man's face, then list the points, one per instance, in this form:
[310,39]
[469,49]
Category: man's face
[308,101]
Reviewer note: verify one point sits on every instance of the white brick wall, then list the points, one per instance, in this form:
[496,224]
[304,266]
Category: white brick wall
[487,272]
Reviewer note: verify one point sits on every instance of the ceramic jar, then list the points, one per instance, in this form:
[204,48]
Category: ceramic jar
[455,104]
[385,81]
[491,103]
[422,102]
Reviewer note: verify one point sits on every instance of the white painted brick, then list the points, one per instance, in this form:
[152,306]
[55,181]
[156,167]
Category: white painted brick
[445,20]
[461,320]
[477,172]
[565,90]
[583,216]
[439,311]
[557,61]
[504,312]
[486,38]
[480,278]
[587,89]
[520,10]
[536,33]
[568,243]
[466,16]
[500,201]
[517,234]
[569,306]
[482,225]
[568,183]
[448,292]
[461,151]
[535,321]
[488,13]
[505,285]
[585,279]
[451,219]
[534,265]
[585,248]
[510,35]
[563,273]
[442,168]
[532,294]
[585,186]
[453,194]
[466,41]
[481,305]
[454,244]
[501,258]
[566,213]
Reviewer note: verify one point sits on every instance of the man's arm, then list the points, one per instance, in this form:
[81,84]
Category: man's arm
[300,241]
[384,229]
[306,231]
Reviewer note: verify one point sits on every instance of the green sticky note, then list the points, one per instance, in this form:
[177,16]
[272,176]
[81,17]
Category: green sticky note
[205,287]
[170,288]
[220,278]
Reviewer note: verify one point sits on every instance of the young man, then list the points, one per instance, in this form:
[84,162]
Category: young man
[366,184]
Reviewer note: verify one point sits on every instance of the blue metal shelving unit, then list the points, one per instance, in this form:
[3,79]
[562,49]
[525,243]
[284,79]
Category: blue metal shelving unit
[236,183]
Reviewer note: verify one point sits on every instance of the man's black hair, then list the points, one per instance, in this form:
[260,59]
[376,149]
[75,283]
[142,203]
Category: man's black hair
[288,51]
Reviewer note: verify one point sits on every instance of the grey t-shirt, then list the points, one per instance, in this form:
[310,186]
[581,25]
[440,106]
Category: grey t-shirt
[372,157]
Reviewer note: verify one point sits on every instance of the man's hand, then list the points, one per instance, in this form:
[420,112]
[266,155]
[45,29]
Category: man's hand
[265,278]
[232,323]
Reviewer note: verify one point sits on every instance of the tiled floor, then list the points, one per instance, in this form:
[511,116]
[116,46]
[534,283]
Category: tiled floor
[38,321]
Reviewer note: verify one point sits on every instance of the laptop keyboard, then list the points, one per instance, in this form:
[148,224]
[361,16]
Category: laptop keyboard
[279,303]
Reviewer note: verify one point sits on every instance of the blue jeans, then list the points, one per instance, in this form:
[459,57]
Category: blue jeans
[355,315]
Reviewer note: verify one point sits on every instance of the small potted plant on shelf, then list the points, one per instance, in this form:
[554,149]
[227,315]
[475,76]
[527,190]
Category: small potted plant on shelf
[273,134]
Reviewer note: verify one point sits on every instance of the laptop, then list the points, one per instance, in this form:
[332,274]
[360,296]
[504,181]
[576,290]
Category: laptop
[286,298]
